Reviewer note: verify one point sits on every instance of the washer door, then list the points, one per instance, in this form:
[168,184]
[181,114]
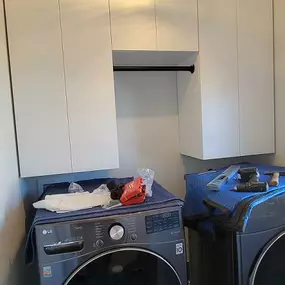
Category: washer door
[269,268]
[128,266]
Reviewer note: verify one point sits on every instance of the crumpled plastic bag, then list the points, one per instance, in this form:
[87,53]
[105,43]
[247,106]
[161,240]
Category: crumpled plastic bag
[75,188]
[112,204]
[148,177]
[102,189]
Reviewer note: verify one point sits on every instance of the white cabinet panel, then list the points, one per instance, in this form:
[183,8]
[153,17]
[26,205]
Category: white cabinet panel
[190,113]
[219,74]
[38,86]
[256,86]
[177,25]
[133,24]
[90,84]
[236,82]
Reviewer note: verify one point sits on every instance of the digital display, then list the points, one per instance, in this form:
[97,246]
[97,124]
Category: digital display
[162,222]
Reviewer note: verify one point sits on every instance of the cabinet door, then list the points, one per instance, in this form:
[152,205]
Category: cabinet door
[256,87]
[177,25]
[219,77]
[90,84]
[38,86]
[190,113]
[133,24]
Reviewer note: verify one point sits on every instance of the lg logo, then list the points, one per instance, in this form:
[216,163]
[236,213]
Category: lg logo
[47,232]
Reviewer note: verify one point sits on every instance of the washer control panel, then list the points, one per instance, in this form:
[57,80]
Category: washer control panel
[65,240]
[162,222]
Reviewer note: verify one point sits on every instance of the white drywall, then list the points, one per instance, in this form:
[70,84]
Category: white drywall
[147,116]
[11,208]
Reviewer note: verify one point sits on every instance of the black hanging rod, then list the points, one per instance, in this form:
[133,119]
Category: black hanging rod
[155,68]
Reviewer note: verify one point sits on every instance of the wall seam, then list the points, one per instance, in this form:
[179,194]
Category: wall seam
[65,85]
[274,77]
[238,77]
[155,19]
[11,85]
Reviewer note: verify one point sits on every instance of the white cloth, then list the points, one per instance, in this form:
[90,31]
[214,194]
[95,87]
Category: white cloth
[62,203]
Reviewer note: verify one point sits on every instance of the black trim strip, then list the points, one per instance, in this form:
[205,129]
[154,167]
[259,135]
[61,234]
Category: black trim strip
[212,206]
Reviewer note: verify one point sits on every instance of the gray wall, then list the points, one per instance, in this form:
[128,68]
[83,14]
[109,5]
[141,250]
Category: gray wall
[11,207]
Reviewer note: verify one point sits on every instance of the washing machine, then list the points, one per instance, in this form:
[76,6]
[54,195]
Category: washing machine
[145,248]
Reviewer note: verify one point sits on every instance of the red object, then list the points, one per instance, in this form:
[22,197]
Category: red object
[134,192]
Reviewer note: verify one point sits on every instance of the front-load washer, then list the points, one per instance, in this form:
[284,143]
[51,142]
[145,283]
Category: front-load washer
[145,248]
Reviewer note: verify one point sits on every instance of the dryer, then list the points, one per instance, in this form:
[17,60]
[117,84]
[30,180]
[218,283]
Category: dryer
[252,255]
[134,249]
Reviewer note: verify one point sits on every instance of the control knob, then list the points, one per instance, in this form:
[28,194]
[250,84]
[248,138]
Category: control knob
[116,232]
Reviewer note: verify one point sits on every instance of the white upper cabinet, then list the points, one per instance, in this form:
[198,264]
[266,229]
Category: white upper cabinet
[62,76]
[177,25]
[90,84]
[133,24]
[226,109]
[164,25]
[256,83]
[218,72]
[38,87]
[208,100]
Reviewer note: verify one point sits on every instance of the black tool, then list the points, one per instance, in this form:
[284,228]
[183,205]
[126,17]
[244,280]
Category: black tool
[248,174]
[116,189]
[254,178]
[252,187]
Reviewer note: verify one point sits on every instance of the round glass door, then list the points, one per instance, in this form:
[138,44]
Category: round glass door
[125,267]
[270,268]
